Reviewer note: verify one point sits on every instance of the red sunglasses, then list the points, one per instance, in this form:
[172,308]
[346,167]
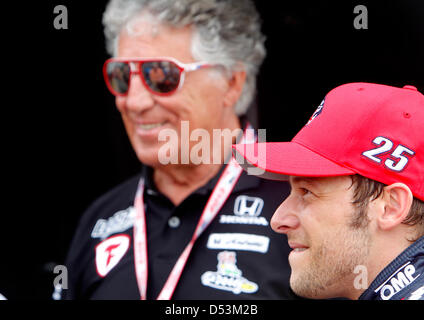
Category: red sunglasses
[161,76]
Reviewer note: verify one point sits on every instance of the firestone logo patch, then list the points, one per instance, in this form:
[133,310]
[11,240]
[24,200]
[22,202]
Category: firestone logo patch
[109,252]
[228,276]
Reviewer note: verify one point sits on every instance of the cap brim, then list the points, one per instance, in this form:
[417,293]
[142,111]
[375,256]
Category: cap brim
[278,160]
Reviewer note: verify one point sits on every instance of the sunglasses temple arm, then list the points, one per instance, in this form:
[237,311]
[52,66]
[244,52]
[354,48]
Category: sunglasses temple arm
[196,66]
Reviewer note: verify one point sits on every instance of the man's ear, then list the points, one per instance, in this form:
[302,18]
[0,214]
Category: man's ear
[397,201]
[235,88]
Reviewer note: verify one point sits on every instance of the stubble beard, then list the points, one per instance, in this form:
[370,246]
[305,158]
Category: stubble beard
[331,268]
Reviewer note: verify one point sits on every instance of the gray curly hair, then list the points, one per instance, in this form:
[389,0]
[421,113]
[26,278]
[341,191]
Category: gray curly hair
[225,32]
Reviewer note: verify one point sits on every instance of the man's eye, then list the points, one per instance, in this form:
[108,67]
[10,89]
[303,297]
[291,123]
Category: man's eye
[305,191]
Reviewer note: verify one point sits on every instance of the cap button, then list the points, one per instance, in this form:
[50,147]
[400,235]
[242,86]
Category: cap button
[410,87]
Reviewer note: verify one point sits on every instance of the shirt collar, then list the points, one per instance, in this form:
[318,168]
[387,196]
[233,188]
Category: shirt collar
[409,256]
[245,182]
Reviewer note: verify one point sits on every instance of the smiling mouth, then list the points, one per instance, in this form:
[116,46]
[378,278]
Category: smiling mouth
[150,126]
[297,247]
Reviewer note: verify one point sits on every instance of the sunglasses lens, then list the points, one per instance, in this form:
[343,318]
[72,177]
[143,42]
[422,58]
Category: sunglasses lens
[118,75]
[161,76]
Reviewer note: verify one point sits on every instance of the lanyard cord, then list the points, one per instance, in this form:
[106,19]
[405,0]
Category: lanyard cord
[219,196]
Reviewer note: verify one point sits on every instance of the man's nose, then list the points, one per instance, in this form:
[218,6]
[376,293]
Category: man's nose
[284,218]
[138,97]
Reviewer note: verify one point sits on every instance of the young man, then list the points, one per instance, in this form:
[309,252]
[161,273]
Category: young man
[355,215]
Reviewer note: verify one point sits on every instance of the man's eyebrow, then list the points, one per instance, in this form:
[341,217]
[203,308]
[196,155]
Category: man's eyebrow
[307,180]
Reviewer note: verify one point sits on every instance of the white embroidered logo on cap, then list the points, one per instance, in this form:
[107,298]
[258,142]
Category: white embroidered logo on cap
[317,112]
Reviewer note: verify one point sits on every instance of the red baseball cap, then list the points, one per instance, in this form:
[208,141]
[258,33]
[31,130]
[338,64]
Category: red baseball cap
[373,130]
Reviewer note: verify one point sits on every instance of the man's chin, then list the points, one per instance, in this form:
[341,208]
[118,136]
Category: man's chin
[305,286]
[155,161]
[148,158]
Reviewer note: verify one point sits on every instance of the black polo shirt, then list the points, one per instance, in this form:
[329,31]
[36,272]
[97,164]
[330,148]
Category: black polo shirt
[237,257]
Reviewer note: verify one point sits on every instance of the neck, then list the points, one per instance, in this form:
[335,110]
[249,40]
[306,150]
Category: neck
[381,255]
[178,181]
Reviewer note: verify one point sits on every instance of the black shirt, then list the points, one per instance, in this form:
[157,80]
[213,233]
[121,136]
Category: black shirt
[237,257]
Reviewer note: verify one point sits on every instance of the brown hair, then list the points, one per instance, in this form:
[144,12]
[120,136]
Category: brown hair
[367,190]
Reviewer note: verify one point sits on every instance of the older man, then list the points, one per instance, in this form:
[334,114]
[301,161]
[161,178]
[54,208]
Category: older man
[355,214]
[191,225]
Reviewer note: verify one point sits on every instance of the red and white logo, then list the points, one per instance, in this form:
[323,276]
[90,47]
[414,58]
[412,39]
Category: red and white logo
[109,252]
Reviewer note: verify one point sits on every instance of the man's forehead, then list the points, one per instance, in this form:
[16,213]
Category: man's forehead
[142,39]
[320,181]
[309,180]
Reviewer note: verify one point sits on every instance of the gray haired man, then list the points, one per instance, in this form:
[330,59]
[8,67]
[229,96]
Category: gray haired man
[191,225]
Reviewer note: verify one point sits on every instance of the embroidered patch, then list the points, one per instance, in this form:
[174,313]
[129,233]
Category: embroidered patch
[228,276]
[119,222]
[248,206]
[247,210]
[109,252]
[238,241]
[400,279]
[317,112]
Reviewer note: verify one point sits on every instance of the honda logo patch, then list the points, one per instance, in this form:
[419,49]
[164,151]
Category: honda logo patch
[248,206]
[247,210]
